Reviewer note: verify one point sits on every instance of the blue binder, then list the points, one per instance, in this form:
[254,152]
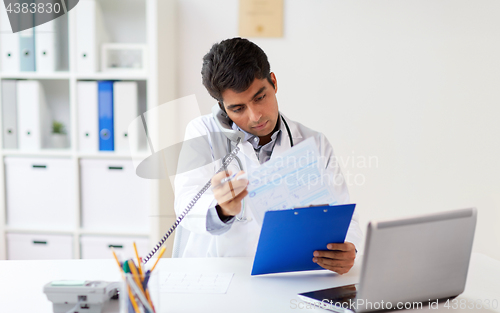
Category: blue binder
[27,38]
[289,237]
[106,131]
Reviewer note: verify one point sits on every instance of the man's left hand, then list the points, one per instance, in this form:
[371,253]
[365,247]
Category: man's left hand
[338,258]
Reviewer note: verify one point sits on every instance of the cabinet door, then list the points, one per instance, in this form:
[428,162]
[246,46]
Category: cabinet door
[113,197]
[40,193]
[99,247]
[39,247]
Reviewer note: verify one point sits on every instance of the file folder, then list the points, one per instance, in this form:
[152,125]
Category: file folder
[106,129]
[33,115]
[126,110]
[9,114]
[46,44]
[27,39]
[88,117]
[90,34]
[289,237]
[9,44]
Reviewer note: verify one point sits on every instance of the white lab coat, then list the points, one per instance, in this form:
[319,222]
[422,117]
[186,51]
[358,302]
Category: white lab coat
[192,237]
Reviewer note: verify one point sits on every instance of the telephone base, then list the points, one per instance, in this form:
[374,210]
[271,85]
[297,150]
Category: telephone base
[81,296]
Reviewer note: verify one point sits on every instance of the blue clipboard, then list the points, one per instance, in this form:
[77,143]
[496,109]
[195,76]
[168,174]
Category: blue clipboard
[289,237]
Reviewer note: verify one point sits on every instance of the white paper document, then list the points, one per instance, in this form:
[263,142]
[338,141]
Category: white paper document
[195,282]
[295,179]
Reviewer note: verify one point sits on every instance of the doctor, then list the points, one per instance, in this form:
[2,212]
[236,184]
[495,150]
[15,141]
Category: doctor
[237,74]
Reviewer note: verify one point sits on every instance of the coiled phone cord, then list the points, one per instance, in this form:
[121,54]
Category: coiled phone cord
[191,204]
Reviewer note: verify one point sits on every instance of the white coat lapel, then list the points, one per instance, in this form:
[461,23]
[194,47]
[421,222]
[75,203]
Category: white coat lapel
[248,151]
[285,138]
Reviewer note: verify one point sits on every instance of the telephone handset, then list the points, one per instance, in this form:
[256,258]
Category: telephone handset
[222,121]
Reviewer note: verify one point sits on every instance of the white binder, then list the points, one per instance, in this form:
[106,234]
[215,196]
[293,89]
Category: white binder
[33,116]
[9,44]
[126,110]
[46,44]
[9,114]
[88,119]
[90,34]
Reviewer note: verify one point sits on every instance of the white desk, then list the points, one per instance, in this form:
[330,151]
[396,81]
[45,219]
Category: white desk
[21,284]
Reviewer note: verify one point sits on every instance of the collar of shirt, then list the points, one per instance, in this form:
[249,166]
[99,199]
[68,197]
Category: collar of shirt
[254,140]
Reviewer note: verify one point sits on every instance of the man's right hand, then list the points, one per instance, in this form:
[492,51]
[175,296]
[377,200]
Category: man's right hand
[230,193]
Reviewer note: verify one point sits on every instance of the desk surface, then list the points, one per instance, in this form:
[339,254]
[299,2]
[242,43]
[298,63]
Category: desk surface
[22,283]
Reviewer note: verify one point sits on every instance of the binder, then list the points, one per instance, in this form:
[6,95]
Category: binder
[9,44]
[27,39]
[33,116]
[289,237]
[9,114]
[90,34]
[126,110]
[106,129]
[46,43]
[88,123]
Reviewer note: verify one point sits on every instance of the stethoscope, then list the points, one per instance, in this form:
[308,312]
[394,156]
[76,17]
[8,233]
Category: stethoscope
[229,149]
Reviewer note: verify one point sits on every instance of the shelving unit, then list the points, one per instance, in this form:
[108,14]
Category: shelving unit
[154,20]
[75,76]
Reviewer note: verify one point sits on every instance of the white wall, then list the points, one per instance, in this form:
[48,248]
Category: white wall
[414,84]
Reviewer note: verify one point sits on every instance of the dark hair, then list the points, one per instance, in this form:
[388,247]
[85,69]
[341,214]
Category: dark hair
[233,64]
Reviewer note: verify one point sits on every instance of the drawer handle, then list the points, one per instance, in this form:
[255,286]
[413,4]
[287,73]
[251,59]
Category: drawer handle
[116,246]
[37,242]
[115,167]
[39,166]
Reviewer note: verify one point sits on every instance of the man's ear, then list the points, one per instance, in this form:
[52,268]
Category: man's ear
[275,82]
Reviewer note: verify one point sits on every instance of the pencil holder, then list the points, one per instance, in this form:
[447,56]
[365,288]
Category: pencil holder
[140,293]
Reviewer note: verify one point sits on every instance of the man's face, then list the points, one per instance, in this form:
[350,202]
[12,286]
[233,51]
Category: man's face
[254,110]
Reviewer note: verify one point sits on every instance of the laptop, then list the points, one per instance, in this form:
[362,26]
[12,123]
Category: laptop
[408,263]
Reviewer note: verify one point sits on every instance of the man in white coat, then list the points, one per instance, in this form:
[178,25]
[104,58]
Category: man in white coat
[237,74]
